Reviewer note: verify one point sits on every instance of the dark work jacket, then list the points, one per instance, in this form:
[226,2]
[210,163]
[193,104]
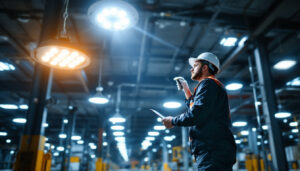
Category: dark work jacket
[209,122]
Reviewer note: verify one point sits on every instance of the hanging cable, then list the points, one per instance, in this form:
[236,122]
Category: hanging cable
[65,17]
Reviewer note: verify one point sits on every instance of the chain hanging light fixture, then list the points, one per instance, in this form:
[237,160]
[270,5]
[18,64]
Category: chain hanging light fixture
[61,53]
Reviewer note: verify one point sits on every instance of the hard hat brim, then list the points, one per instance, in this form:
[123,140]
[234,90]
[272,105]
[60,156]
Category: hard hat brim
[192,61]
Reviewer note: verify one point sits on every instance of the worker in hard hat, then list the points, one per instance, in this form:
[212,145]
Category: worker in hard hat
[208,116]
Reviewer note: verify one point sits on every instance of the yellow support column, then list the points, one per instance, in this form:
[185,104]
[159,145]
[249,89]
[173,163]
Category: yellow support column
[166,167]
[99,166]
[46,166]
[248,163]
[104,165]
[30,156]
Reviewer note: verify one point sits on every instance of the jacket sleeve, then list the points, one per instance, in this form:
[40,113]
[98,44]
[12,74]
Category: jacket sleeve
[203,102]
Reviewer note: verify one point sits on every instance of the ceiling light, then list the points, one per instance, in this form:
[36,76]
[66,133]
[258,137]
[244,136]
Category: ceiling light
[8,141]
[6,67]
[266,141]
[93,156]
[265,127]
[159,127]
[117,118]
[23,106]
[12,152]
[66,121]
[56,154]
[150,138]
[80,142]
[295,130]
[120,139]
[239,124]
[282,114]
[159,119]
[168,138]
[153,133]
[253,129]
[62,136]
[244,132]
[169,151]
[19,120]
[104,134]
[229,41]
[113,14]
[284,64]
[8,106]
[60,148]
[146,159]
[167,131]
[154,150]
[118,133]
[169,146]
[99,98]
[293,124]
[234,86]
[45,125]
[61,54]
[238,141]
[76,137]
[117,127]
[172,105]
[3,133]
[295,82]
[291,136]
[47,145]
[46,139]
[105,143]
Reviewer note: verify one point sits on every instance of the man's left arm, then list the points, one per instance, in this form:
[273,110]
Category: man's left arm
[203,103]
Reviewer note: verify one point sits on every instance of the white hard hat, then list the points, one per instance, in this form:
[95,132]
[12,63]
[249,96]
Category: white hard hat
[206,56]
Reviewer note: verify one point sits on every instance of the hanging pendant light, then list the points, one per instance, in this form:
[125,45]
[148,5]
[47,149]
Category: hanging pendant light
[117,118]
[99,98]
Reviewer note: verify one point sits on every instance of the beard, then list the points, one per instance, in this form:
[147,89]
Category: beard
[197,75]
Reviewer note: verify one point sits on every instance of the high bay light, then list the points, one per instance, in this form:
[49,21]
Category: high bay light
[113,14]
[61,54]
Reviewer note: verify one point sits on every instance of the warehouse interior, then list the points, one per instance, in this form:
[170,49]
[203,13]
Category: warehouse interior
[92,112]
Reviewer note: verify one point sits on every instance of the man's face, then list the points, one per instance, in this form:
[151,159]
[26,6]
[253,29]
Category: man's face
[196,71]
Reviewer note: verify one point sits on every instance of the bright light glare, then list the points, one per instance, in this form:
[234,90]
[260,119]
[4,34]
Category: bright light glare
[56,154]
[159,127]
[98,100]
[62,57]
[284,64]
[62,136]
[8,106]
[244,132]
[117,127]
[105,143]
[169,145]
[229,41]
[92,146]
[117,120]
[293,124]
[113,19]
[60,148]
[3,133]
[168,138]
[154,150]
[242,41]
[45,125]
[6,67]
[153,133]
[120,139]
[146,144]
[239,124]
[66,121]
[172,105]
[234,86]
[23,106]
[282,115]
[19,120]
[123,150]
[8,141]
[265,127]
[118,133]
[295,130]
[159,119]
[294,82]
[76,137]
[93,156]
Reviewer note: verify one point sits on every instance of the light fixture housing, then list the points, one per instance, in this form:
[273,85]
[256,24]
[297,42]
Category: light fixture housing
[113,14]
[228,41]
[117,118]
[61,54]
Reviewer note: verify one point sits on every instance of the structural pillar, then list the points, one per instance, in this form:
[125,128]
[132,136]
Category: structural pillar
[184,148]
[270,107]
